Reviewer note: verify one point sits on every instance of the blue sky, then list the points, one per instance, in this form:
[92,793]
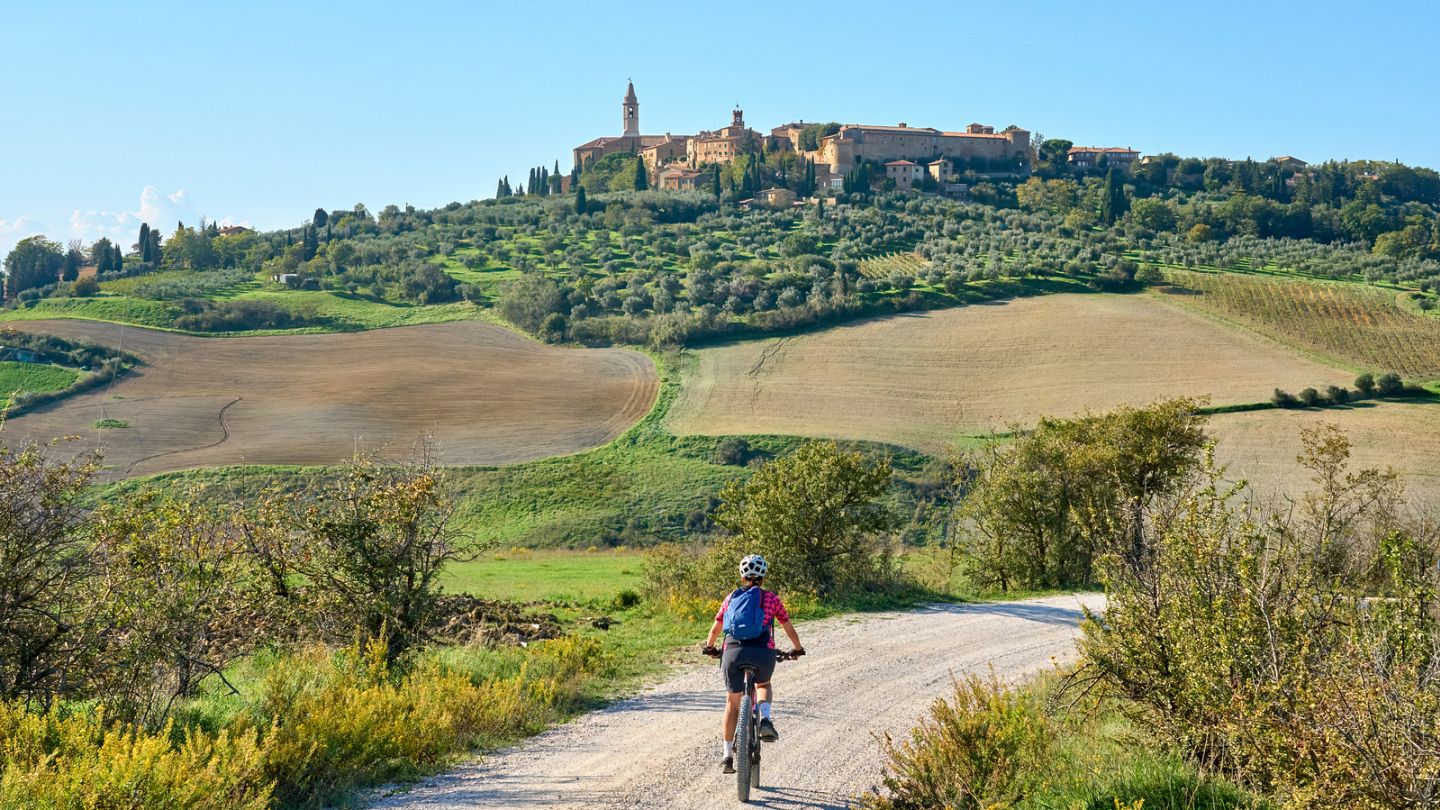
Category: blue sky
[259,112]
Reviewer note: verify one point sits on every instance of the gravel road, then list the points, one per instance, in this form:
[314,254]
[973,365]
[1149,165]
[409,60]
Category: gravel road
[865,676]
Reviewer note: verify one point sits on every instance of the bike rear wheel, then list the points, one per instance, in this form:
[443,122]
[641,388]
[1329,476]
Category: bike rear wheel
[745,752]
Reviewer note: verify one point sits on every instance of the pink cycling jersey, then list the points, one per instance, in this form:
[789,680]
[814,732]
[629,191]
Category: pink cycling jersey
[770,603]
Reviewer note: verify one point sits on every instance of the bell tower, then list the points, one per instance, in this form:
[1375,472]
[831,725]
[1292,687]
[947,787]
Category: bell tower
[632,111]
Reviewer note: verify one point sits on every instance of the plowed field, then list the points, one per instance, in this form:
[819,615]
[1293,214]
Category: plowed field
[485,395]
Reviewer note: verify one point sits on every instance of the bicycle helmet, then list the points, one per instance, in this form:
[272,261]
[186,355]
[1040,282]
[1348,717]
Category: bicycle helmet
[753,567]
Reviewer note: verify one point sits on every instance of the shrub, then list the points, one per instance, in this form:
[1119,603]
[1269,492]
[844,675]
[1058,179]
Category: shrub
[1239,636]
[1043,506]
[732,450]
[1284,399]
[815,515]
[49,629]
[339,721]
[1309,397]
[527,301]
[1389,385]
[1337,395]
[375,545]
[1365,384]
[85,287]
[54,761]
[973,752]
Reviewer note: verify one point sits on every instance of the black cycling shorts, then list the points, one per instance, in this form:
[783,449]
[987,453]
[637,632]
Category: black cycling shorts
[761,658]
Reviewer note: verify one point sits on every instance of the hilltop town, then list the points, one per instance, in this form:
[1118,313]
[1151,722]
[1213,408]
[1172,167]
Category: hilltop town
[899,156]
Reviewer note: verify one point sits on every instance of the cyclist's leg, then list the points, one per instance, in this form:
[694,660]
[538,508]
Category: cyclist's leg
[732,716]
[734,685]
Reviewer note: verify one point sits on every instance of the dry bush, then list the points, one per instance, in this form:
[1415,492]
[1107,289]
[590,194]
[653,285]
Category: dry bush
[974,751]
[1239,635]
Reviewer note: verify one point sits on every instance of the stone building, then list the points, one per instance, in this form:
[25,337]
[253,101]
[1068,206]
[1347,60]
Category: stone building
[723,145]
[1086,157]
[669,150]
[630,141]
[903,173]
[883,144]
[680,178]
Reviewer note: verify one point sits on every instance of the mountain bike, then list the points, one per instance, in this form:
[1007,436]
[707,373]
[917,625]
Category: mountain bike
[747,733]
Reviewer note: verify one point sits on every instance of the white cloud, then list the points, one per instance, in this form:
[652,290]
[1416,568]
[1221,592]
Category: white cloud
[13,230]
[157,208]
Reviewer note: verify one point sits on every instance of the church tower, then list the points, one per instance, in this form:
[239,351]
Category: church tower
[632,112]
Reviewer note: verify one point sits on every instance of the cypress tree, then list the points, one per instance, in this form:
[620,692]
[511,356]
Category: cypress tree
[642,179]
[544,181]
[144,242]
[499,189]
[155,245]
[715,181]
[579,199]
[1113,202]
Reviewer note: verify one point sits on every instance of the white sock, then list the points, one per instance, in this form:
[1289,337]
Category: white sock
[765,710]
[729,747]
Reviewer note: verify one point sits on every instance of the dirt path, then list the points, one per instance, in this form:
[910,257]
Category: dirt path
[864,676]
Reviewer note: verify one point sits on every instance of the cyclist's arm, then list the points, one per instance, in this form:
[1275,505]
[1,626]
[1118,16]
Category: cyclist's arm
[790,631]
[714,633]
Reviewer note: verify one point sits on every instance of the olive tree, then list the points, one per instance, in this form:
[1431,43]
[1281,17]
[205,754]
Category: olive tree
[815,515]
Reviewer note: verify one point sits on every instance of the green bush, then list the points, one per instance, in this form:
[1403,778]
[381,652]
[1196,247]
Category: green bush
[975,751]
[1046,504]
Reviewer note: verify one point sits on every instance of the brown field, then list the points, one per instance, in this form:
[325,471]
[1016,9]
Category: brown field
[1261,445]
[927,380]
[486,395]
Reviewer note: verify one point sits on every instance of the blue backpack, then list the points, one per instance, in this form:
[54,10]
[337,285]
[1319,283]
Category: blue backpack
[745,614]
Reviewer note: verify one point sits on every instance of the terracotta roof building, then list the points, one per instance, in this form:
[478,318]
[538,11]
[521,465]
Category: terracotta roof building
[886,143]
[630,141]
[1085,157]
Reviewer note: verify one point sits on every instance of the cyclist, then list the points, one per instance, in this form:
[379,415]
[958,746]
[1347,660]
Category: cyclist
[754,649]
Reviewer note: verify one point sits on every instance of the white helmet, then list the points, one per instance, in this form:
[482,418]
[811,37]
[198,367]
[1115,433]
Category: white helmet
[753,567]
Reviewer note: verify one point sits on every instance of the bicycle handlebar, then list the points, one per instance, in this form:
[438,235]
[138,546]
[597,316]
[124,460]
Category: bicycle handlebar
[780,655]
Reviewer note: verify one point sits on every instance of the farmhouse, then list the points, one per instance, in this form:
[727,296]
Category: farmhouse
[903,173]
[679,178]
[235,230]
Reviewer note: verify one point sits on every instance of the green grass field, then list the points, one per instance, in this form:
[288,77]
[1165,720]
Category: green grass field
[34,378]
[523,575]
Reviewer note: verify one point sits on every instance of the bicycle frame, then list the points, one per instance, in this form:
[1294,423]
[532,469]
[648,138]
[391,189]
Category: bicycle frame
[747,739]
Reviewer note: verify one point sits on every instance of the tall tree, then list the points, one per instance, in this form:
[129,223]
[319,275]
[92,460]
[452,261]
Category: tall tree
[579,199]
[74,258]
[309,243]
[320,218]
[101,255]
[1113,202]
[34,262]
[715,181]
[144,244]
[155,244]
[642,177]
